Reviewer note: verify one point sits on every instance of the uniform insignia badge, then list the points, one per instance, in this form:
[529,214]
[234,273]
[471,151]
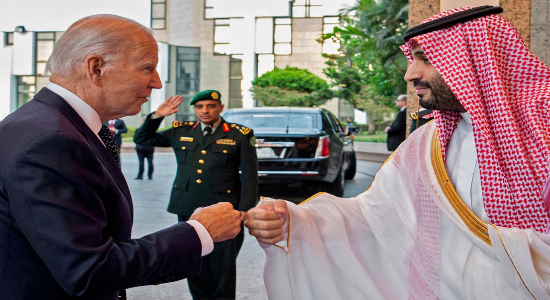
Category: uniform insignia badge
[215,96]
[233,125]
[186,139]
[226,127]
[177,124]
[244,130]
[226,142]
[253,141]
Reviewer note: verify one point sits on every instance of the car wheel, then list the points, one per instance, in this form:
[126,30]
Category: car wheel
[352,167]
[336,187]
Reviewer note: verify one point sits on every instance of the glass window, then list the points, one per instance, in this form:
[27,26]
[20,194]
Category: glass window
[283,49]
[45,42]
[283,21]
[282,36]
[264,35]
[307,8]
[8,38]
[26,89]
[208,9]
[265,63]
[43,50]
[277,122]
[158,14]
[221,36]
[187,79]
[335,123]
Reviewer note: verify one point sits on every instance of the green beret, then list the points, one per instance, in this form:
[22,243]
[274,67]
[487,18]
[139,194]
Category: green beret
[207,95]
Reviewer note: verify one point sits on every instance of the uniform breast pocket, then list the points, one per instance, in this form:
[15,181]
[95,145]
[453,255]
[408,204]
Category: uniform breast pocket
[223,154]
[184,151]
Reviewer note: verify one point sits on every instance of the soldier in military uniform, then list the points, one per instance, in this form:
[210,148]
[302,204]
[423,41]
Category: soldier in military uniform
[209,155]
[421,117]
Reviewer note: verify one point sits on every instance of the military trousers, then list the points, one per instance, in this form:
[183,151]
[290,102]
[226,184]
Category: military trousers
[218,275]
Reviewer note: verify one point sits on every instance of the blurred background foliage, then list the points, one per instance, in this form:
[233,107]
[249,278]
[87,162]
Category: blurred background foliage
[290,86]
[370,68]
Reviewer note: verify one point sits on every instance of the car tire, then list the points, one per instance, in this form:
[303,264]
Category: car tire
[336,187]
[352,166]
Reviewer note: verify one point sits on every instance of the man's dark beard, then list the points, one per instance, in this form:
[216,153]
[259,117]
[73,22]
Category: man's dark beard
[441,98]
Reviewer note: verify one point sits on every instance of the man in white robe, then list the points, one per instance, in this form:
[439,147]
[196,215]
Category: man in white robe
[457,212]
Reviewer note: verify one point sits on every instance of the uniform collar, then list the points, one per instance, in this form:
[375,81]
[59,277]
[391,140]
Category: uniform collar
[214,126]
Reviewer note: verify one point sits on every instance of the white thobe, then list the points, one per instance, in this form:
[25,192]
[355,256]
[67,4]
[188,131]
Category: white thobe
[404,239]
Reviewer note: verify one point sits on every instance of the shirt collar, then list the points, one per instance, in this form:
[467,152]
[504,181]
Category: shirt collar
[466,116]
[214,126]
[83,109]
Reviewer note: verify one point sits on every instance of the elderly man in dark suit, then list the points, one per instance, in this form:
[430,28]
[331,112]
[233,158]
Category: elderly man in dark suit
[65,209]
[398,130]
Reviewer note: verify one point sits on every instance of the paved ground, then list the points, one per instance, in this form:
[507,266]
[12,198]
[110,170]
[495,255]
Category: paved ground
[150,201]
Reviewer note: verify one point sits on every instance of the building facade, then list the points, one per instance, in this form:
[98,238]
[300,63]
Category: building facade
[203,44]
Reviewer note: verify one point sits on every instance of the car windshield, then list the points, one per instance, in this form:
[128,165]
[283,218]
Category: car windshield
[277,122]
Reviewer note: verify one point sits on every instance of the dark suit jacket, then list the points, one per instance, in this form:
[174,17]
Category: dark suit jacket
[66,214]
[397,131]
[121,127]
[207,173]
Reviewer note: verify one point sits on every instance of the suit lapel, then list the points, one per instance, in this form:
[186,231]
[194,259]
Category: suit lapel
[48,97]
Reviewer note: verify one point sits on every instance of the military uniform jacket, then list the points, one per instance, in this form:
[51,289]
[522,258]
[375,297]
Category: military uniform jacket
[207,173]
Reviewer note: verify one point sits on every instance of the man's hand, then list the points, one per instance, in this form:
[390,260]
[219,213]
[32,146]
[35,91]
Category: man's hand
[386,130]
[266,221]
[112,129]
[220,220]
[169,106]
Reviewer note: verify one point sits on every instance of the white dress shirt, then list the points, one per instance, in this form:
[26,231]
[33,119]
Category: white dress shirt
[91,118]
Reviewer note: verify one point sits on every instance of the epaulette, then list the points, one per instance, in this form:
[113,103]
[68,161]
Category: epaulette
[242,129]
[177,124]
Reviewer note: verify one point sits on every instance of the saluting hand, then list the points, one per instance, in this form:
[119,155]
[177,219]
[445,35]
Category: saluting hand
[266,221]
[169,106]
[220,220]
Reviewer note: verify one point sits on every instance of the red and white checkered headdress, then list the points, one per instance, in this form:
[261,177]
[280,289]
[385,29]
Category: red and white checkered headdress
[506,90]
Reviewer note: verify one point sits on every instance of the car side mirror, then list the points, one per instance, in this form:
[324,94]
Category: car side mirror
[352,130]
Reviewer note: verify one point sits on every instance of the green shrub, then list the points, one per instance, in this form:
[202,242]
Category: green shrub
[290,87]
[129,136]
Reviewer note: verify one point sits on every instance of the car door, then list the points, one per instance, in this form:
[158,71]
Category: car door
[336,145]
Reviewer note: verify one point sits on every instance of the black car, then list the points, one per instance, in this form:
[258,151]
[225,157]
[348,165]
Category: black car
[299,144]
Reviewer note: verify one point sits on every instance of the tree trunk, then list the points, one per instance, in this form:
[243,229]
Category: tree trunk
[370,121]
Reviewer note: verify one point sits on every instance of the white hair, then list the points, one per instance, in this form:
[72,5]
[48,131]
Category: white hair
[103,35]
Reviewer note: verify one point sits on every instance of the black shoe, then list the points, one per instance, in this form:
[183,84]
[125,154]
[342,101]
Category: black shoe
[150,178]
[138,178]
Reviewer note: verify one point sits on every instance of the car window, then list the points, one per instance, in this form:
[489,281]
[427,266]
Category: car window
[333,122]
[279,120]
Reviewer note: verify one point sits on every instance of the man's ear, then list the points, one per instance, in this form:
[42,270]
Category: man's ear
[95,69]
[221,106]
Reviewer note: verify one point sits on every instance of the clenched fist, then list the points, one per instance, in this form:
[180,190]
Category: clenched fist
[266,221]
[220,220]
